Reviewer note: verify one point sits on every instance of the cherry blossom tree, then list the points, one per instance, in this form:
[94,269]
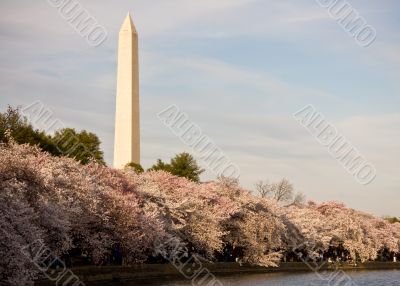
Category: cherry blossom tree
[190,211]
[254,228]
[95,209]
[17,229]
[361,234]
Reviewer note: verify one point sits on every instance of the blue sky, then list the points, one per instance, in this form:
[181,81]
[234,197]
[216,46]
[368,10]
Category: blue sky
[239,69]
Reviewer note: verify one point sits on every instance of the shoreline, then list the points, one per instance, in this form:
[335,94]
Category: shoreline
[91,275]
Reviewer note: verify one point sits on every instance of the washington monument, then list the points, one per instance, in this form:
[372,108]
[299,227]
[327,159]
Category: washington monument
[127,125]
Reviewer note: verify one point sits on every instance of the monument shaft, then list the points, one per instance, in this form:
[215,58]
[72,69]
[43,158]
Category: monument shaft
[127,117]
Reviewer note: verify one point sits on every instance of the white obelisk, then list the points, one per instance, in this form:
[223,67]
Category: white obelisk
[127,125]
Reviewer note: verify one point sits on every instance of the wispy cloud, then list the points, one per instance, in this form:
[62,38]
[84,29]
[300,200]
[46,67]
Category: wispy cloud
[240,68]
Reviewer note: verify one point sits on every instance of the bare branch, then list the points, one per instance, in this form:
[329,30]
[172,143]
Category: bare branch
[283,191]
[264,189]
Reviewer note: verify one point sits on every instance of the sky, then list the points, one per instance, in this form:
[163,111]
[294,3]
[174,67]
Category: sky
[239,69]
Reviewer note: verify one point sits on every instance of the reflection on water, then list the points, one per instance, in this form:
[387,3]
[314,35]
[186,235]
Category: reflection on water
[360,278]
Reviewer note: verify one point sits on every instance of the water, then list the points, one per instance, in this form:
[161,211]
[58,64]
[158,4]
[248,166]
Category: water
[360,278]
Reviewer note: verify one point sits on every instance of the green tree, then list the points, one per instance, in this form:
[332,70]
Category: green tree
[23,132]
[136,167]
[392,219]
[83,146]
[161,166]
[182,165]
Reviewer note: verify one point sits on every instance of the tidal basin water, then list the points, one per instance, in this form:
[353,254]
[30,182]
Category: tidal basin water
[360,278]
